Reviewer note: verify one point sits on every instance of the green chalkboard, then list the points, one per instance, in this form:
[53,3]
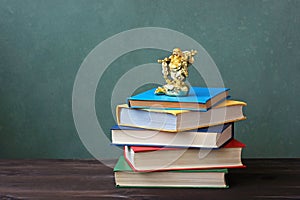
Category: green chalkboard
[255,45]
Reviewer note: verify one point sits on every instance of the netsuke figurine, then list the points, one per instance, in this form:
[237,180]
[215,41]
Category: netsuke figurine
[175,72]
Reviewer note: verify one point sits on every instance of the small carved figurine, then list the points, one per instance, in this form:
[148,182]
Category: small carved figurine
[175,72]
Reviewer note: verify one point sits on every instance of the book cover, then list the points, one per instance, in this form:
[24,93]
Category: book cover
[199,98]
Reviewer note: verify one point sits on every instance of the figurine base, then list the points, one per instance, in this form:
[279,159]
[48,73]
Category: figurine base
[172,90]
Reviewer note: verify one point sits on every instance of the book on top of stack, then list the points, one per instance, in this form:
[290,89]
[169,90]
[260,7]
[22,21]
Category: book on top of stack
[199,99]
[178,141]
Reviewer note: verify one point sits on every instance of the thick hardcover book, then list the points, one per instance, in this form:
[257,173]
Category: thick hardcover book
[143,158]
[199,98]
[126,177]
[209,137]
[180,120]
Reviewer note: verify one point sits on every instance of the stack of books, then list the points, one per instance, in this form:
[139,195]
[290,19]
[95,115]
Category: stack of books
[177,141]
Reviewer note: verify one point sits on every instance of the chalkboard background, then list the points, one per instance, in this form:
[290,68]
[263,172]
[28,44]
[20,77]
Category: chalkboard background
[255,45]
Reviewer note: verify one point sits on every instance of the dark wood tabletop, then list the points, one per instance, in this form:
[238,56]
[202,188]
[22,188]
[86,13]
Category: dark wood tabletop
[90,179]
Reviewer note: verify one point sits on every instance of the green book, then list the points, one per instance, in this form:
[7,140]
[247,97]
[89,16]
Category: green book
[126,177]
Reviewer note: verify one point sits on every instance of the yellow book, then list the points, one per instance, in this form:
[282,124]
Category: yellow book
[180,120]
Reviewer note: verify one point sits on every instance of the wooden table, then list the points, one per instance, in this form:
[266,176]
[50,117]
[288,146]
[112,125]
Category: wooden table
[89,179]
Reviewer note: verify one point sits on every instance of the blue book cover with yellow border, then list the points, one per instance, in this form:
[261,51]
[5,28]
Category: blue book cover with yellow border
[199,98]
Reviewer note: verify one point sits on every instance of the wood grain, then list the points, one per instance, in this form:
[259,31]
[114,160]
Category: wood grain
[90,179]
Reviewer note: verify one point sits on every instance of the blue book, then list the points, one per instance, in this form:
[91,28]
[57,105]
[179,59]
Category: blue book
[208,137]
[199,98]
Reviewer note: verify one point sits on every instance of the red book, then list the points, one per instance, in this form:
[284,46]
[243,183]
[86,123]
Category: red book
[142,158]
